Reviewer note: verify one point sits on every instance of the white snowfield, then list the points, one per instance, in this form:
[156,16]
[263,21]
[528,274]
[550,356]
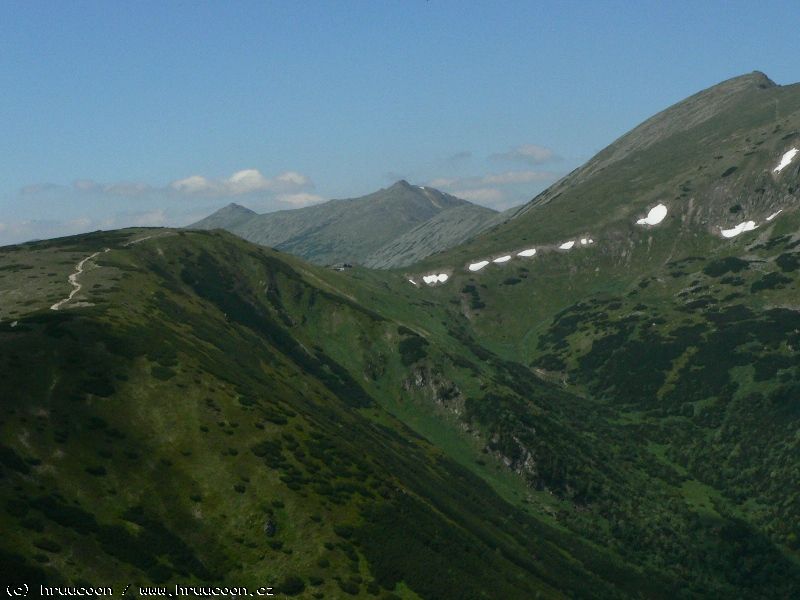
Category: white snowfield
[477,266]
[740,228]
[412,282]
[435,278]
[655,216]
[785,160]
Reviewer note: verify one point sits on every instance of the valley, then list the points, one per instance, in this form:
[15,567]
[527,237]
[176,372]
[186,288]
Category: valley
[593,397]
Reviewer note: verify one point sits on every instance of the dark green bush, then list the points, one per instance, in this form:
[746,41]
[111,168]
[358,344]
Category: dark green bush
[291,585]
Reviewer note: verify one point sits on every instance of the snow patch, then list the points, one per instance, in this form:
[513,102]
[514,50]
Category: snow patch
[740,228]
[435,278]
[785,160]
[411,281]
[477,266]
[502,259]
[528,252]
[655,216]
[567,245]
[775,214]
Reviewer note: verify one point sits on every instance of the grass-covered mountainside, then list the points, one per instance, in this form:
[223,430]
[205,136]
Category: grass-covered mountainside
[617,420]
[209,411]
[709,159]
[392,227]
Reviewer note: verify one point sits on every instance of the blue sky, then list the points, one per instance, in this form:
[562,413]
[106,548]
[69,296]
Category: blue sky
[134,113]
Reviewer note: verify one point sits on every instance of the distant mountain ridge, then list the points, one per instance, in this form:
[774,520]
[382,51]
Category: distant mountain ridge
[392,227]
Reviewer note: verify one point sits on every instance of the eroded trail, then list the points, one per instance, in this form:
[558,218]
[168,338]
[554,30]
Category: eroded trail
[73,279]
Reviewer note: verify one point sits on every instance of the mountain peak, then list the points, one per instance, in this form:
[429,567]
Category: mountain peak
[741,83]
[410,221]
[236,207]
[759,78]
[225,217]
[401,183]
[698,108]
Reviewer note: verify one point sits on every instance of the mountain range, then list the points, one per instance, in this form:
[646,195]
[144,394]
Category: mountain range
[596,397]
[393,227]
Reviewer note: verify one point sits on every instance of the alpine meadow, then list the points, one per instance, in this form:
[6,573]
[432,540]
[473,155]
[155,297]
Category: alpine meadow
[416,394]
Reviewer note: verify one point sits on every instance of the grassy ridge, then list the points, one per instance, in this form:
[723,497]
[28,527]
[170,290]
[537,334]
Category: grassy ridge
[177,431]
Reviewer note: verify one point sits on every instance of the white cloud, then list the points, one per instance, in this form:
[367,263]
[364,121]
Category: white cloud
[498,190]
[481,195]
[459,156]
[528,153]
[300,198]
[127,188]
[493,179]
[511,177]
[444,182]
[293,178]
[15,232]
[79,223]
[195,184]
[120,188]
[38,188]
[153,218]
[85,185]
[246,181]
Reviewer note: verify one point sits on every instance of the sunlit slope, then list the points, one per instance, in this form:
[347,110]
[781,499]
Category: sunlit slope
[681,385]
[681,335]
[608,471]
[717,162]
[187,418]
[444,230]
[710,159]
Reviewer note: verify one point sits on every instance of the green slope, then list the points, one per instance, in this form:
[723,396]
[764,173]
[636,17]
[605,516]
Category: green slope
[710,159]
[618,420]
[153,428]
[683,341]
